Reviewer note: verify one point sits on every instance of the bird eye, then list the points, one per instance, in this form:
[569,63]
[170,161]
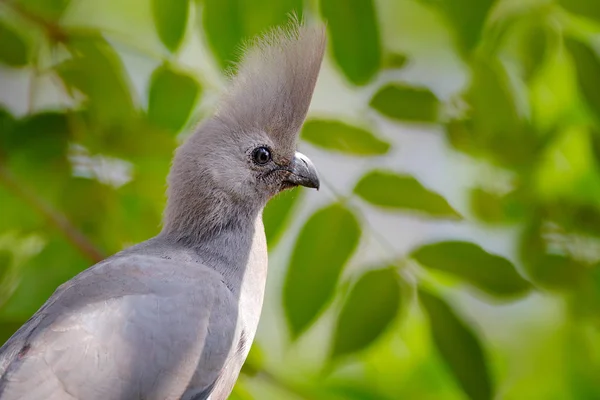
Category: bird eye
[261,155]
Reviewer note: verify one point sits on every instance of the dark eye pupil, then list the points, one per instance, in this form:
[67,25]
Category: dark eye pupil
[261,155]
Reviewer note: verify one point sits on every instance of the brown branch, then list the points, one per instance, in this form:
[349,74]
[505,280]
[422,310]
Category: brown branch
[54,217]
[54,32]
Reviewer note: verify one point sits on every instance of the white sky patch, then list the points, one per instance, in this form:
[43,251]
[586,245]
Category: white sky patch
[110,171]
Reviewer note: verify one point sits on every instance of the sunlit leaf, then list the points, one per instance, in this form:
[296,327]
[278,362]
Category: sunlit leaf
[170,19]
[566,168]
[402,192]
[548,264]
[459,347]
[277,214]
[172,98]
[46,9]
[587,65]
[370,308]
[466,17]
[491,273]
[323,247]
[354,34]
[228,23]
[584,8]
[336,135]
[96,71]
[406,103]
[14,51]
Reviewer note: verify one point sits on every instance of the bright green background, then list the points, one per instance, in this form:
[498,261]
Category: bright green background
[486,281]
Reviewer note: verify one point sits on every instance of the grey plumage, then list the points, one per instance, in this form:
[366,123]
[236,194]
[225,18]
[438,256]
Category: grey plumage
[173,317]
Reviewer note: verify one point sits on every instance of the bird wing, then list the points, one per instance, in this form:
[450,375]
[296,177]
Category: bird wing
[127,328]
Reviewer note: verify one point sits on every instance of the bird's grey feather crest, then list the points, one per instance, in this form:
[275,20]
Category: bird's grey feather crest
[275,81]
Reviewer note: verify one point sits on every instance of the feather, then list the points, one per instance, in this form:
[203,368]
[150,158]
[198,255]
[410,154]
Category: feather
[275,81]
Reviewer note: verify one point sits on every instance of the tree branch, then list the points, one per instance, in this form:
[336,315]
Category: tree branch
[54,217]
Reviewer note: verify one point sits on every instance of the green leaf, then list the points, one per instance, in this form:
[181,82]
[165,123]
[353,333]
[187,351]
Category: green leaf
[395,61]
[41,138]
[467,17]
[6,260]
[490,93]
[371,307]
[97,226]
[58,262]
[336,135]
[14,51]
[461,135]
[497,129]
[354,34]
[534,48]
[36,152]
[96,71]
[50,10]
[255,361]
[587,65]
[585,8]
[405,103]
[349,390]
[7,125]
[547,266]
[172,98]
[492,274]
[170,19]
[402,192]
[277,214]
[8,328]
[323,247]
[459,347]
[228,23]
[496,208]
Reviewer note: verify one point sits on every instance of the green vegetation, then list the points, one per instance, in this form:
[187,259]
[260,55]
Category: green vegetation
[85,149]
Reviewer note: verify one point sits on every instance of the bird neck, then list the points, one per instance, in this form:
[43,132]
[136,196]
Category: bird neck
[224,234]
[193,216]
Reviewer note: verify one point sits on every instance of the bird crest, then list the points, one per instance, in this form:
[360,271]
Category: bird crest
[275,80]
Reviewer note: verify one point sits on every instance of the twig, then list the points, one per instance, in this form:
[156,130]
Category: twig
[53,31]
[376,234]
[55,218]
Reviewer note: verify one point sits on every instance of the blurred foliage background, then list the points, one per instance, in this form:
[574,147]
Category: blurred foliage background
[454,250]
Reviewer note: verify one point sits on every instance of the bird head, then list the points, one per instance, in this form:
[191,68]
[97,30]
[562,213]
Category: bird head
[246,152]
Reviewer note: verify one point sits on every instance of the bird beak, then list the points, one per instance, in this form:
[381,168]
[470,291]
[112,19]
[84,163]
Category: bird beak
[303,172]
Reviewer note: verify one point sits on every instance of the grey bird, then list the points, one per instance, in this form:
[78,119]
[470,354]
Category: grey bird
[174,317]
